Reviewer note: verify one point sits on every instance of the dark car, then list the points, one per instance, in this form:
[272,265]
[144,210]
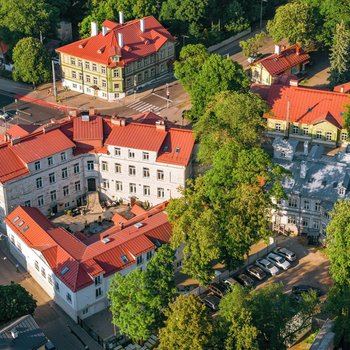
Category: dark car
[245,280]
[211,301]
[300,289]
[218,289]
[256,272]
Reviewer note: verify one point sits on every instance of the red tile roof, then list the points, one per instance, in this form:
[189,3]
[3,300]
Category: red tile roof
[88,130]
[308,106]
[137,44]
[21,130]
[276,64]
[342,88]
[10,165]
[42,145]
[138,136]
[76,263]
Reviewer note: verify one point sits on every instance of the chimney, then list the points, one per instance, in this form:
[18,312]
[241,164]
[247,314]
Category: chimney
[94,29]
[120,40]
[342,88]
[303,170]
[297,50]
[92,111]
[104,30]
[277,49]
[306,148]
[121,17]
[118,121]
[142,25]
[160,125]
[293,82]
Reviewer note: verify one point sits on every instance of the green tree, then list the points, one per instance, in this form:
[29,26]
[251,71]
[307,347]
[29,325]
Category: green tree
[15,301]
[188,325]
[297,21]
[339,57]
[192,58]
[234,19]
[338,249]
[132,305]
[217,74]
[251,46]
[31,62]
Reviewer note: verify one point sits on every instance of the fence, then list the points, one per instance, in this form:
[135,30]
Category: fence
[228,41]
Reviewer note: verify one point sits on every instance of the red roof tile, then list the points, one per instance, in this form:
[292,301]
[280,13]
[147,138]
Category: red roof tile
[10,165]
[21,130]
[88,130]
[138,136]
[276,64]
[137,44]
[42,145]
[308,106]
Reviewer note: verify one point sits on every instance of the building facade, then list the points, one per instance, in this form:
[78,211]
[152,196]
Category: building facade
[119,60]
[53,168]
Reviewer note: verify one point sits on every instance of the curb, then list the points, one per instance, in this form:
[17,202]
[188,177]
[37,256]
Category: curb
[44,103]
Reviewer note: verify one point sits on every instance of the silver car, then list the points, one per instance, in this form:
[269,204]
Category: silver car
[286,253]
[267,266]
[279,261]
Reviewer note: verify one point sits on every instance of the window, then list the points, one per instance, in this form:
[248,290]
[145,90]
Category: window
[103,70]
[131,154]
[64,173]
[40,201]
[146,190]
[316,224]
[57,286]
[160,192]
[63,156]
[295,129]
[305,222]
[145,172]
[149,255]
[19,246]
[98,280]
[132,188]
[117,168]
[98,292]
[80,76]
[94,67]
[104,166]
[88,78]
[317,206]
[115,73]
[139,64]
[104,83]
[146,75]
[95,80]
[306,131]
[39,182]
[52,178]
[53,195]
[344,136]
[118,186]
[160,174]
[85,311]
[132,170]
[66,205]
[74,74]
[37,165]
[283,154]
[27,203]
[139,260]
[152,72]
[72,61]
[65,190]
[306,205]
[292,202]
[139,77]
[117,151]
[49,278]
[75,86]
[328,136]
[69,297]
[145,155]
[277,127]
[128,82]
[87,65]
[36,265]
[319,135]
[90,165]
[116,86]
[77,186]
[76,168]
[105,184]
[80,63]
[43,272]
[50,161]
[341,191]
[291,219]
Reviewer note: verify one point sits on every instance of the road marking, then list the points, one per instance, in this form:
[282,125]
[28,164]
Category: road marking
[142,106]
[164,98]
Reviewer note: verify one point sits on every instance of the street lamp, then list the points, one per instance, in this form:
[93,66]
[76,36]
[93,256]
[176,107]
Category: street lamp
[261,12]
[183,39]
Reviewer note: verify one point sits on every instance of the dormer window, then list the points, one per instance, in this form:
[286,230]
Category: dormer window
[341,191]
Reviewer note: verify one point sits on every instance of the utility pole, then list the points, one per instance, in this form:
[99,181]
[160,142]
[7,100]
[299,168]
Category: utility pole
[167,95]
[54,79]
[261,12]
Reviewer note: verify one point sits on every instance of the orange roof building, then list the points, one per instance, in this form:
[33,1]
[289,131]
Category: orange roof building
[119,59]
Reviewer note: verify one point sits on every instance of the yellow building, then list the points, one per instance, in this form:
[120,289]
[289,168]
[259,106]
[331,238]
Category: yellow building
[291,60]
[120,59]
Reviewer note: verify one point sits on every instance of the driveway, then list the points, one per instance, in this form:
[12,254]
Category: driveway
[311,268]
[52,320]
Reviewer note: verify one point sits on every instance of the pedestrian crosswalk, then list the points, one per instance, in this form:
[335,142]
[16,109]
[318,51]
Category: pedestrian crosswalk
[142,106]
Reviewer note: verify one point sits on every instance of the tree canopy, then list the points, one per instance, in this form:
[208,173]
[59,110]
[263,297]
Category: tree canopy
[15,301]
[251,46]
[31,61]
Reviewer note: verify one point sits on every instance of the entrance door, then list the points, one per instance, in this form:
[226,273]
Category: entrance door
[91,184]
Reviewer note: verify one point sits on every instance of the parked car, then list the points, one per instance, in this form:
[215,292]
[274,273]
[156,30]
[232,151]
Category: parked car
[303,288]
[219,289]
[256,272]
[245,280]
[185,289]
[267,266]
[230,282]
[278,261]
[211,301]
[286,253]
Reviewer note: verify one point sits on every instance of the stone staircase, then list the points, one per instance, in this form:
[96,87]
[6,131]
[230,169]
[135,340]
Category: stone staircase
[93,205]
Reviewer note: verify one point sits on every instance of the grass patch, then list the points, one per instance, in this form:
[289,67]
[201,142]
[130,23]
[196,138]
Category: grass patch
[311,338]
